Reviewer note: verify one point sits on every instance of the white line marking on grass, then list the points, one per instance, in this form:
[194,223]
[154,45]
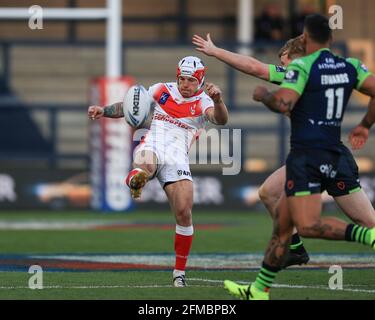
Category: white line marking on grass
[289,286]
[320,287]
[103,287]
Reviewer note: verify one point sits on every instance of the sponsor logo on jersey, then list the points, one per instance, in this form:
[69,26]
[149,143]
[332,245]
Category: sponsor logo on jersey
[291,76]
[280,69]
[163,98]
[183,173]
[166,118]
[341,185]
[339,65]
[327,170]
[329,123]
[314,184]
[364,68]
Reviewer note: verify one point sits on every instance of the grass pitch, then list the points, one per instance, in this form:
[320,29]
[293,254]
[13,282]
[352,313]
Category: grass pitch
[88,255]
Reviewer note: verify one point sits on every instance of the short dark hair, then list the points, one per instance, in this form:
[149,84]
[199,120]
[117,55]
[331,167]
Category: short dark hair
[318,28]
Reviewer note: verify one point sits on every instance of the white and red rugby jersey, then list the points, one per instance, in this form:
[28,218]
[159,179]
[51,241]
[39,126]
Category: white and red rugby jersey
[177,120]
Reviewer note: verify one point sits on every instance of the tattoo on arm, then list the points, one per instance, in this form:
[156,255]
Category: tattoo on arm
[114,110]
[277,105]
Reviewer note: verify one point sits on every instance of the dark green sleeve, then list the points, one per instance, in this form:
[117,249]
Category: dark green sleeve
[276,73]
[362,71]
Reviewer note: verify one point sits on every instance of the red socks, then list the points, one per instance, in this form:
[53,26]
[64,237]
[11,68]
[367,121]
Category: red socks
[182,245]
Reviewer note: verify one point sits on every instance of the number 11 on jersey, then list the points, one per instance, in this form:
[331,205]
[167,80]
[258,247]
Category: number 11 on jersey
[330,94]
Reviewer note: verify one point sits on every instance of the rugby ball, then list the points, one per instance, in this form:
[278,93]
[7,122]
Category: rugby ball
[136,106]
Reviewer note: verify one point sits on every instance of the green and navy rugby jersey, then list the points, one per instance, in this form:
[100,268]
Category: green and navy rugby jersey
[325,82]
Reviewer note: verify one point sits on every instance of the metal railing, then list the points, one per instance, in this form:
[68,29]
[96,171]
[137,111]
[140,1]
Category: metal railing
[53,155]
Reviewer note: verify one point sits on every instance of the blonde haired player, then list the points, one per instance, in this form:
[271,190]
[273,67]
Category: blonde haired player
[182,109]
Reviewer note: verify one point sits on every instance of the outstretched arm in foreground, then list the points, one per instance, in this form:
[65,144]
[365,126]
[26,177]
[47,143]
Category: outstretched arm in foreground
[246,64]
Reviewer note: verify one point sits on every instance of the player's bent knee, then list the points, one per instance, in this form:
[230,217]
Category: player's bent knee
[261,193]
[264,194]
[148,167]
[267,198]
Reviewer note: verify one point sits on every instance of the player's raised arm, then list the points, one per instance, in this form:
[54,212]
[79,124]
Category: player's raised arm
[219,113]
[246,64]
[368,87]
[359,135]
[112,111]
